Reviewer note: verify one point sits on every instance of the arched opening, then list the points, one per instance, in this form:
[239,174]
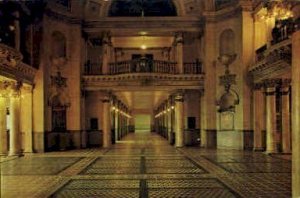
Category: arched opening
[227,42]
[132,8]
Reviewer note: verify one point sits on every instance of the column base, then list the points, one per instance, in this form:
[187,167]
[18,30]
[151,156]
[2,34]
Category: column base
[258,149]
[271,152]
[15,154]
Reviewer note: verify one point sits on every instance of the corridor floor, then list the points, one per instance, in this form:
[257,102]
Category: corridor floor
[144,165]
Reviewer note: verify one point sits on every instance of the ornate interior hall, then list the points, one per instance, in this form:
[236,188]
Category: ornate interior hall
[150,98]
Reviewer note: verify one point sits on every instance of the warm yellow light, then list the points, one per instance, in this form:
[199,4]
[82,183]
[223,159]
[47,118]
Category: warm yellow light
[143,47]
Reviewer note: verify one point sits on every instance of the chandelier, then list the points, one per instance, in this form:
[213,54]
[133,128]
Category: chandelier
[278,9]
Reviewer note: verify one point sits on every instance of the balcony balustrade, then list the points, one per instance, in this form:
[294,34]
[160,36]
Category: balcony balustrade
[144,65]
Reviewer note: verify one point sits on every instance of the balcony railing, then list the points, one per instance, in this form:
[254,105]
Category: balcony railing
[192,68]
[93,69]
[143,66]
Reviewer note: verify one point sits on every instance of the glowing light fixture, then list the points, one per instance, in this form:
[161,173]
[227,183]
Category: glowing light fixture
[278,9]
[143,47]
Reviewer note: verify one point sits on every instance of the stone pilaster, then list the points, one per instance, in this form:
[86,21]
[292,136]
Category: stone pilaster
[286,127]
[179,120]
[106,53]
[3,120]
[106,123]
[259,117]
[26,118]
[179,51]
[295,114]
[14,118]
[271,120]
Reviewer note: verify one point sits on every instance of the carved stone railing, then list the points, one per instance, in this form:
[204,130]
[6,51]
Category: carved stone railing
[143,66]
[11,65]
[271,61]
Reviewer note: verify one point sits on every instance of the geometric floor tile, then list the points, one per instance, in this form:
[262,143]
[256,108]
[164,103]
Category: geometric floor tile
[146,165]
[99,188]
[191,193]
[188,188]
[37,166]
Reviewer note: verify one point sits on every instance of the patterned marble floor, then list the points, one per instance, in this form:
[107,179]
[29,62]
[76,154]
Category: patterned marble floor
[144,165]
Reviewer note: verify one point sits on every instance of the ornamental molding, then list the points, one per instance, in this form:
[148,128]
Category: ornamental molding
[223,14]
[143,81]
[11,65]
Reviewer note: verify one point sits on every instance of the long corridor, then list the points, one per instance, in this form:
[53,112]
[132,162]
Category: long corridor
[145,165]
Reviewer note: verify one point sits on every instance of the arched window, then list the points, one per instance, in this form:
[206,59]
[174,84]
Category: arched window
[227,42]
[58,45]
[142,8]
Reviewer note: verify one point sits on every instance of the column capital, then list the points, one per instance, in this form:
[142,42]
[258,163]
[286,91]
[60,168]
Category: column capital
[269,83]
[4,85]
[106,37]
[178,37]
[15,88]
[257,86]
[179,97]
[285,83]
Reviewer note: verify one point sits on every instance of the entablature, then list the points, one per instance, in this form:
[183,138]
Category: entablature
[143,81]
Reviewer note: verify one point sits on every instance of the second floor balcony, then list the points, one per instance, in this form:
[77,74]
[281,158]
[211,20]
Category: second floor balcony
[144,65]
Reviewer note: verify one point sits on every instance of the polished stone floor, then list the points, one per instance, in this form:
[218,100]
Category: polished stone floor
[144,165]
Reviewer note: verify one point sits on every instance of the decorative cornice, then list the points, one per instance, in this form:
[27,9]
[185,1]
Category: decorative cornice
[12,67]
[271,83]
[163,81]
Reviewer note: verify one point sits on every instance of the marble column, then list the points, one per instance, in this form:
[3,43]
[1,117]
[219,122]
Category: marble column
[179,52]
[295,114]
[179,120]
[271,120]
[106,123]
[14,118]
[27,119]
[3,124]
[286,127]
[259,117]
